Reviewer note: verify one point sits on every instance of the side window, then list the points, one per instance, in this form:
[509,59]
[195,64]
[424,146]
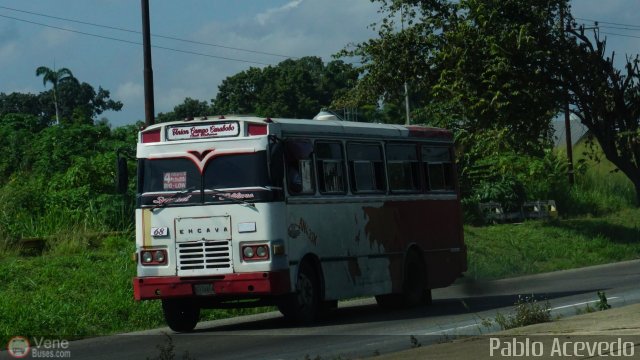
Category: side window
[298,160]
[366,165]
[403,167]
[330,167]
[438,168]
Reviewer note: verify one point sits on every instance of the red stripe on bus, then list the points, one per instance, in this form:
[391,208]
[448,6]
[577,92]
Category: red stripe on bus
[258,283]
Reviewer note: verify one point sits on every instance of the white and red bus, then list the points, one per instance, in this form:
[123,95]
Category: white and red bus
[244,211]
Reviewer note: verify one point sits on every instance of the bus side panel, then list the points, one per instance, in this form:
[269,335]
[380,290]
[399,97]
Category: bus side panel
[361,248]
[335,234]
[433,225]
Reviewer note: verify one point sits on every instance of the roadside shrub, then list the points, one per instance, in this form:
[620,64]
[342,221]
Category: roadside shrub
[527,312]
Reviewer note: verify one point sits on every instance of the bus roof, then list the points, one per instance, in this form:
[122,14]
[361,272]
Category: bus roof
[323,127]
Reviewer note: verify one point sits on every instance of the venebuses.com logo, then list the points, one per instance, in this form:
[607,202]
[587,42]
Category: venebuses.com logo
[18,347]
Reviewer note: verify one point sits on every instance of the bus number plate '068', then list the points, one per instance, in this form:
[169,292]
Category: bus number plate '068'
[203,289]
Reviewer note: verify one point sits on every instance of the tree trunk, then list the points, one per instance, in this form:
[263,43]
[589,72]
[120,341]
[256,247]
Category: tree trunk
[55,104]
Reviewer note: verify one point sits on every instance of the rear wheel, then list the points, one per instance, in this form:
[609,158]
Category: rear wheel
[390,301]
[182,315]
[414,286]
[303,305]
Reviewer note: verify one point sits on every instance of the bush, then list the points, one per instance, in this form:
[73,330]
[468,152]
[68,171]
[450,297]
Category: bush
[528,312]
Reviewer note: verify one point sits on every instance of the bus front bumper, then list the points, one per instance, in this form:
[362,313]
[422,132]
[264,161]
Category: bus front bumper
[228,285]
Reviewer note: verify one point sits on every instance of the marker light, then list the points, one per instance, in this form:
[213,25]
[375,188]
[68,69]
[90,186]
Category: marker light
[151,136]
[256,129]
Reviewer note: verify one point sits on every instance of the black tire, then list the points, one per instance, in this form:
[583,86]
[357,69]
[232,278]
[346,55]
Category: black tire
[390,301]
[180,314]
[414,285]
[304,304]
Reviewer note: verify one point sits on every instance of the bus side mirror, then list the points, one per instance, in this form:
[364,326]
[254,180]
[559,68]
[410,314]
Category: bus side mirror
[122,175]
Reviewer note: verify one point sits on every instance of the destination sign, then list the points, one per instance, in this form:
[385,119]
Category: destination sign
[188,132]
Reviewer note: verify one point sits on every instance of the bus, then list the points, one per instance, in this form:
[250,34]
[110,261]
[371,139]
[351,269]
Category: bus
[237,211]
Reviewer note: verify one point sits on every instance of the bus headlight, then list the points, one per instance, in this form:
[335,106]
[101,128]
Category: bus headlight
[261,251]
[153,257]
[255,252]
[248,252]
[159,256]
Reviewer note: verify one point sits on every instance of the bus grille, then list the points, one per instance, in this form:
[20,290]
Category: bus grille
[204,255]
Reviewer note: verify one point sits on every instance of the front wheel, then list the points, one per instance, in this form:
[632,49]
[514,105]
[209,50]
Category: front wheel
[303,305]
[180,314]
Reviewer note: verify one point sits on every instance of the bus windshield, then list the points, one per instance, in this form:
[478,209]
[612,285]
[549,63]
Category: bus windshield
[234,171]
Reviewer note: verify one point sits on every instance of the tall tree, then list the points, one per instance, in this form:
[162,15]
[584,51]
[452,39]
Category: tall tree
[471,65]
[78,102]
[606,99]
[293,88]
[189,108]
[55,77]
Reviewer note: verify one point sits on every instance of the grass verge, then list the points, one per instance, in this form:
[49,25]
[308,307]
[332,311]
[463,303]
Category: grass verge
[77,290]
[541,246]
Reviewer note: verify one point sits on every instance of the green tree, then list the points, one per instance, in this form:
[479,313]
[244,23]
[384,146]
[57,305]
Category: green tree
[294,88]
[190,108]
[471,65]
[19,103]
[55,77]
[79,102]
[606,99]
[73,101]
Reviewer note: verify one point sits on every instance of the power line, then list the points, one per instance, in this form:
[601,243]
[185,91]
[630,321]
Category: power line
[618,28]
[154,35]
[614,34]
[610,23]
[134,42]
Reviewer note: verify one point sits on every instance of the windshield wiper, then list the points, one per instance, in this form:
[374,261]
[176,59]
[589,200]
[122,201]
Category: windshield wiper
[269,188]
[229,197]
[167,200]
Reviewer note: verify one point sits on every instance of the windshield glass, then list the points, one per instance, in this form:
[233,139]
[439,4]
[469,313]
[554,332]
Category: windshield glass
[237,171]
[179,181]
[170,175]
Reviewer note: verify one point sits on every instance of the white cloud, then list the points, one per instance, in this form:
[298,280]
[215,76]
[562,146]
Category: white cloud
[264,17]
[130,92]
[299,28]
[8,52]
[52,38]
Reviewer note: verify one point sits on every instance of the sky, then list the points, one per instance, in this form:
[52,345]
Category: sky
[241,30]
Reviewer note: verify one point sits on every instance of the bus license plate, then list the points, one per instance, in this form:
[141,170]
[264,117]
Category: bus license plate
[203,289]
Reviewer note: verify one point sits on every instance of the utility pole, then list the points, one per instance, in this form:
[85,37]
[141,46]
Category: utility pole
[567,118]
[149,111]
[406,87]
[406,103]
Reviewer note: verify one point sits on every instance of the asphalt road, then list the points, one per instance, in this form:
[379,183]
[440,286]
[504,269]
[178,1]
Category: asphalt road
[359,328]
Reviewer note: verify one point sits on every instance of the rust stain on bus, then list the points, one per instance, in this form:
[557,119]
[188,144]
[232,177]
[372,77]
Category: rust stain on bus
[381,231]
[354,268]
[387,236]
[426,224]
